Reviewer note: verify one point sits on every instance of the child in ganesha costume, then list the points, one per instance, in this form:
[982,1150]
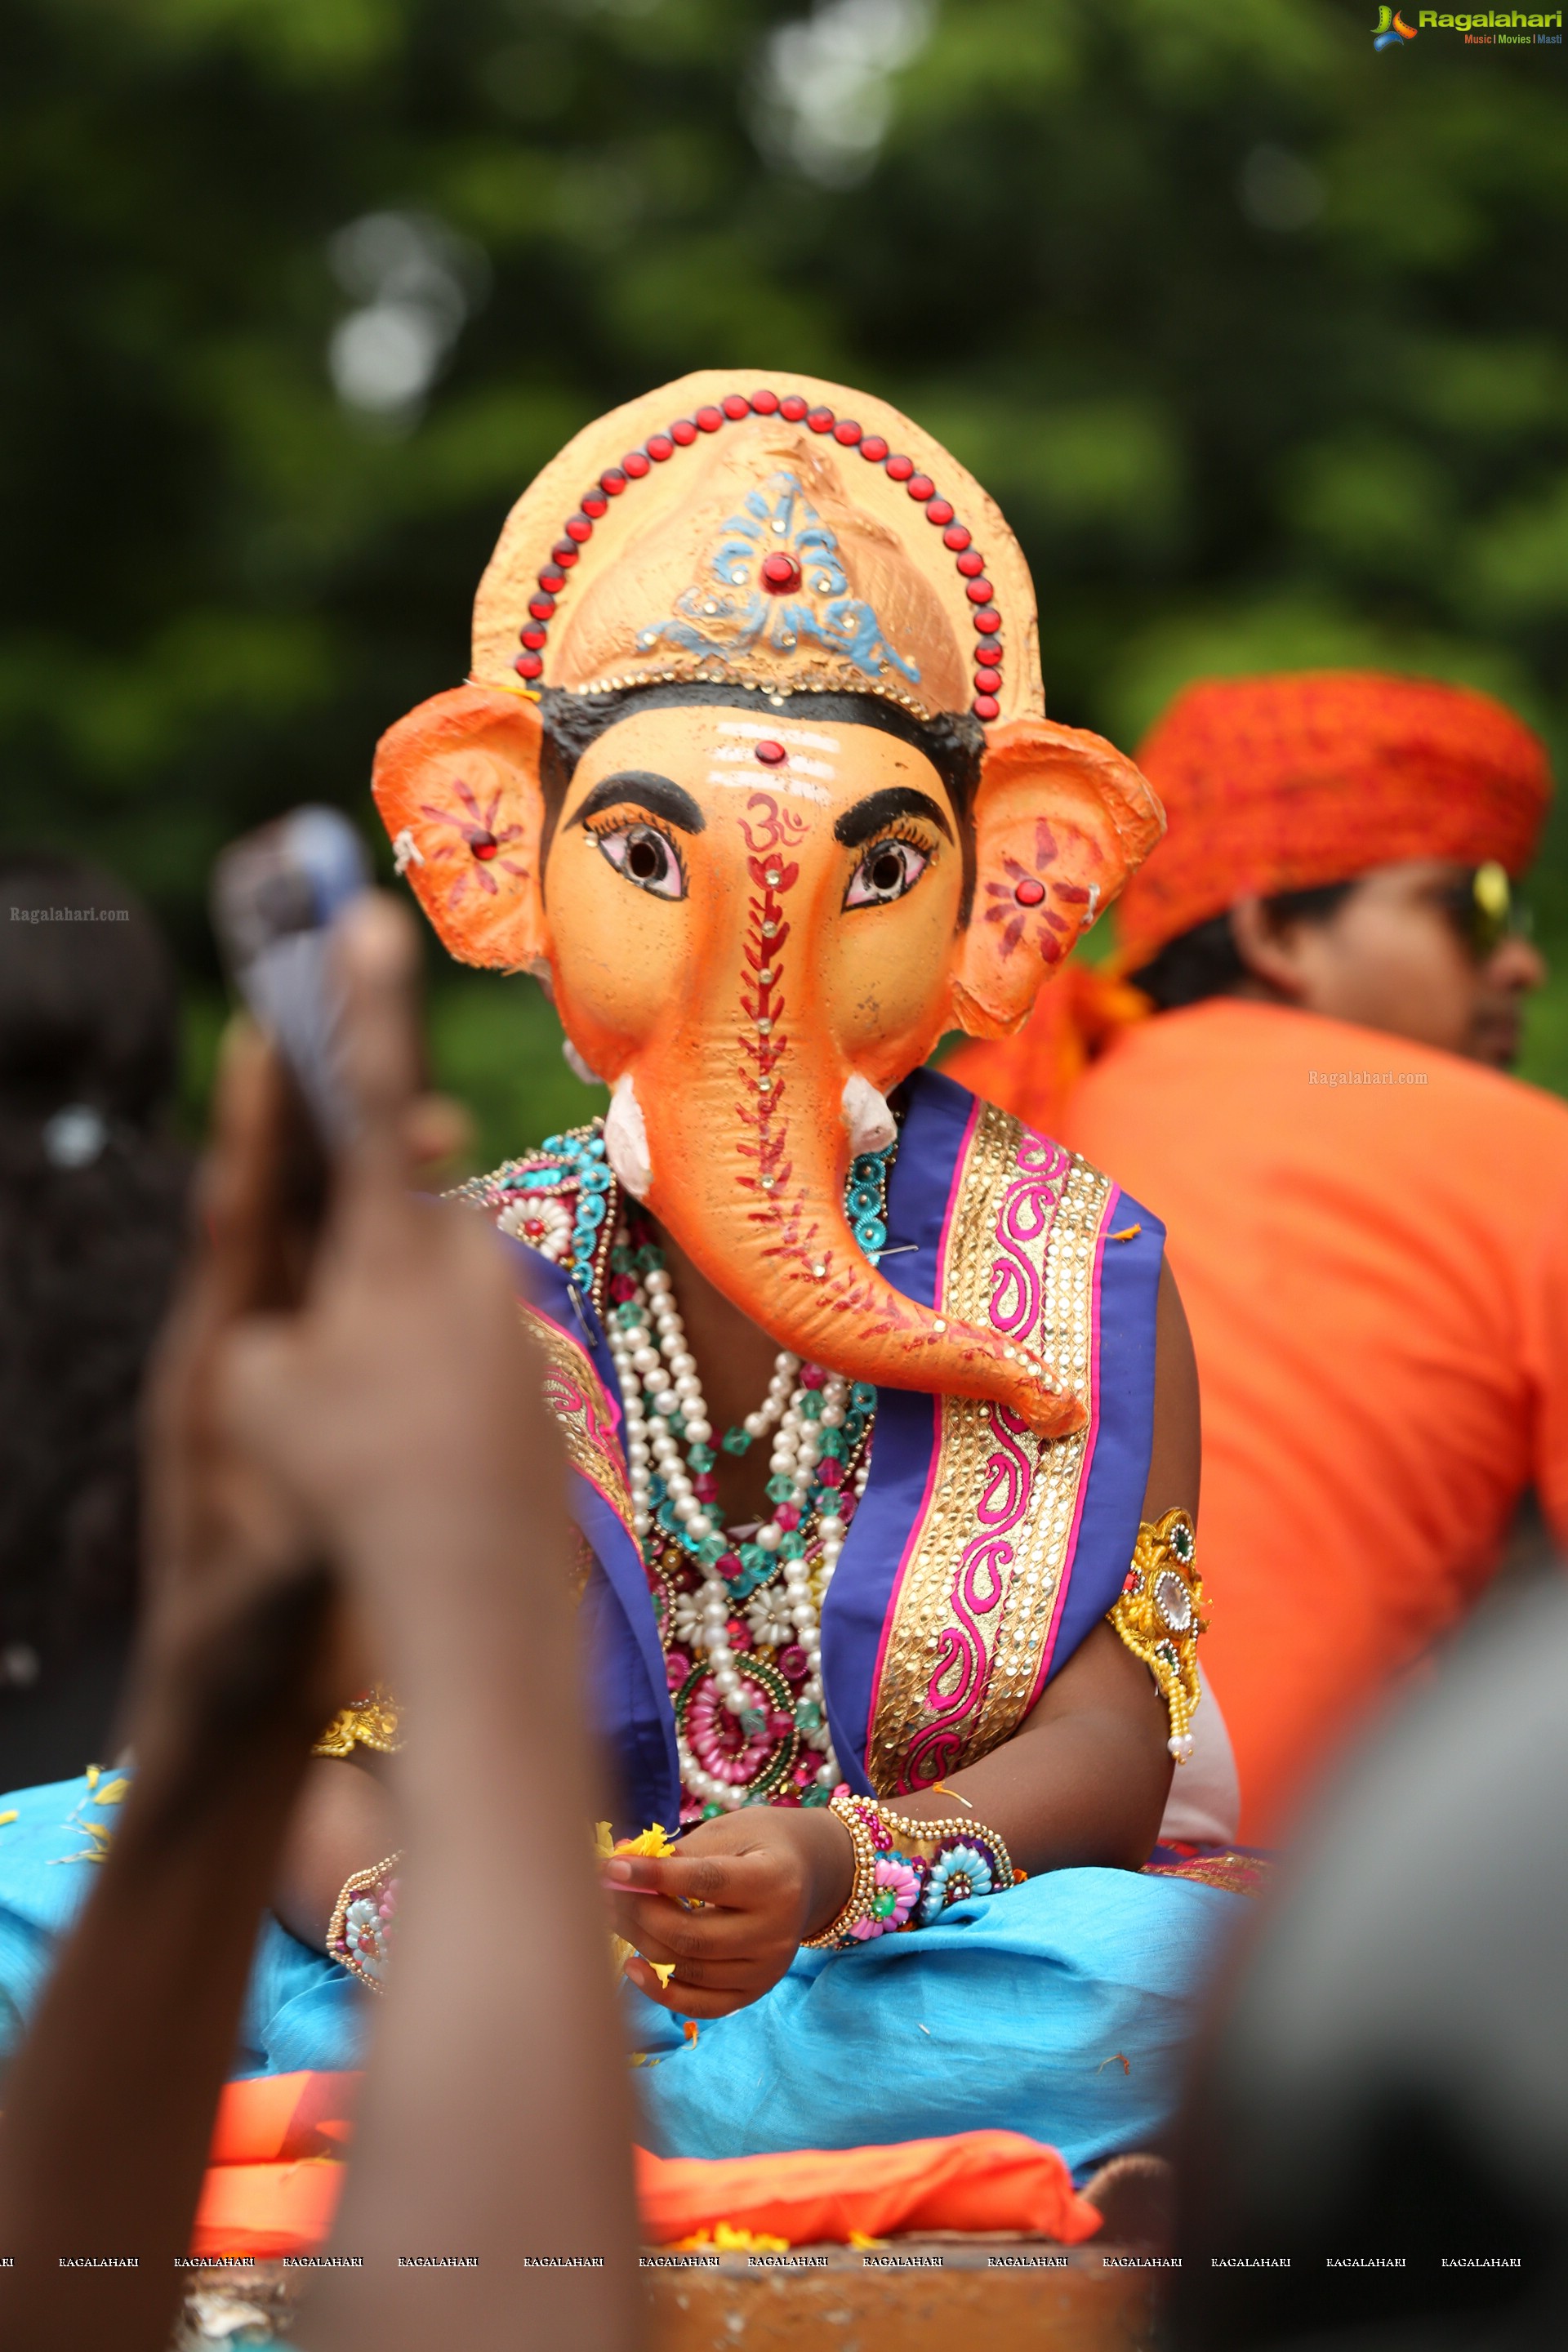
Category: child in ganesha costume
[879,1408]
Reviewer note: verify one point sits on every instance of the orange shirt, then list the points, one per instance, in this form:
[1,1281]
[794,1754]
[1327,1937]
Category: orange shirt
[1376,1277]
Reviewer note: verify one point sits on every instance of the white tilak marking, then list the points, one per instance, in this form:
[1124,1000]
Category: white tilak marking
[786,735]
[798,790]
[798,768]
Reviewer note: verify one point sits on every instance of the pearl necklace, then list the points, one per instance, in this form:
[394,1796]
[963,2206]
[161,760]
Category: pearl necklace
[659,1391]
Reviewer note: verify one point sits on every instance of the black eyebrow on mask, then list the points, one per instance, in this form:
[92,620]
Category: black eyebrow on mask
[656,794]
[869,816]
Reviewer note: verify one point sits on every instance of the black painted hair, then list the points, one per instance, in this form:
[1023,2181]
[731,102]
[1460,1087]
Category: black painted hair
[953,742]
[1205,960]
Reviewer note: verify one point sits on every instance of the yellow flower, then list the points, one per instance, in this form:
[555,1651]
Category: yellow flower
[655,1841]
[725,2239]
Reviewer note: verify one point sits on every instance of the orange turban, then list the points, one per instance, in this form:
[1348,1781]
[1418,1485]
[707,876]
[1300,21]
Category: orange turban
[1289,783]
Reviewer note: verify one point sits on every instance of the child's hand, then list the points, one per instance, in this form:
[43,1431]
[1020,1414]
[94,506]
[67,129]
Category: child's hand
[766,1878]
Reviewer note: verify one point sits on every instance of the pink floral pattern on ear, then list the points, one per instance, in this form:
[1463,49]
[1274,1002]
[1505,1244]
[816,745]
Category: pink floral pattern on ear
[485,843]
[456,784]
[1021,902]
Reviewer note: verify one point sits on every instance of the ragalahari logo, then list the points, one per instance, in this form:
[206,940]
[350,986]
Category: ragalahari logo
[1391,29]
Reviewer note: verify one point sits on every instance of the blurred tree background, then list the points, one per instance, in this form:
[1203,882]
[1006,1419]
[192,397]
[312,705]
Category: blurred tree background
[1260,337]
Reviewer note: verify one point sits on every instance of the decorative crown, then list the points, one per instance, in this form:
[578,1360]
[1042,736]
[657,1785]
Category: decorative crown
[807,541]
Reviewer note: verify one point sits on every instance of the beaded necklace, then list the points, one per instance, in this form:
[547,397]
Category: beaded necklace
[739,1609]
[740,1613]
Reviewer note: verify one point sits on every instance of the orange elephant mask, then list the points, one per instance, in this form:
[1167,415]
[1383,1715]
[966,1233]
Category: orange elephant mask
[736,798]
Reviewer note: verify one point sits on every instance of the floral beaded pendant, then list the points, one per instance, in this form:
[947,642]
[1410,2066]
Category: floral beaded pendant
[738,1611]
[558,1200]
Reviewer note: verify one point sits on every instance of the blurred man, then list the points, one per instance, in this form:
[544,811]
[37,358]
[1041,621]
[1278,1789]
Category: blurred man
[1369,1220]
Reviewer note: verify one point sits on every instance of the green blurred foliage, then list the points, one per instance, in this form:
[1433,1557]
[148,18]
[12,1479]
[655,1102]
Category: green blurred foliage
[1261,338]
[496,1045]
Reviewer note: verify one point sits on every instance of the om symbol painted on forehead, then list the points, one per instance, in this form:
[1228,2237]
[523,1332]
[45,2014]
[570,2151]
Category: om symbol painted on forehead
[775,828]
[729,610]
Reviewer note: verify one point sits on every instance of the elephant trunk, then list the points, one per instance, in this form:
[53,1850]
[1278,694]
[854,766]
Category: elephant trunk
[744,1156]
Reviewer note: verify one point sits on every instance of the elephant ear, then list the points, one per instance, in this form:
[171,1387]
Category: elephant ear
[456,784]
[1061,819]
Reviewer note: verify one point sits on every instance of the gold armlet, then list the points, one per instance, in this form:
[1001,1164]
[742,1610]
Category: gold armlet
[1156,1614]
[369,1721]
[359,1936]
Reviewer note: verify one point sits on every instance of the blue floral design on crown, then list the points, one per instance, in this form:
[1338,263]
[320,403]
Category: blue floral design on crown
[736,612]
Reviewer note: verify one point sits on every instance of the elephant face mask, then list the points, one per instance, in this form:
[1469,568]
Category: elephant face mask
[735,813]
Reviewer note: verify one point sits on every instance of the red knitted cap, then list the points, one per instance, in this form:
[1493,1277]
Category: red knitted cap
[1289,783]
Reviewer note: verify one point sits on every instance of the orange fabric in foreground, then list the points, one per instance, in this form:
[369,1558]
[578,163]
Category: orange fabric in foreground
[275,2179]
[975,2180]
[274,2173]
[1376,1277]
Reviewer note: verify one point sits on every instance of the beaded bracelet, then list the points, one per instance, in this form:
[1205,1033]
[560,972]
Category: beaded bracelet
[894,1892]
[1156,1614]
[859,1902]
[359,1937]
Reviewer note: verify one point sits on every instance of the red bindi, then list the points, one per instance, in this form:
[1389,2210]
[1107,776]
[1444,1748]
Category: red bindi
[1029,893]
[772,754]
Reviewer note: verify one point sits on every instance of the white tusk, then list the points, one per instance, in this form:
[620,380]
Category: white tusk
[625,1138]
[578,1067]
[870,1123]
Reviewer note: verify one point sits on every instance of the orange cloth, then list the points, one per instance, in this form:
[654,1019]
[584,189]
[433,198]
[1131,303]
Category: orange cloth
[280,2119]
[1377,1278]
[1034,1071]
[266,2210]
[273,2176]
[273,2184]
[1286,782]
[973,2181]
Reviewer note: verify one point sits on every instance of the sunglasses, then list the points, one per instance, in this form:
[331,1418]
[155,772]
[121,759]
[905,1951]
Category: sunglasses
[1484,909]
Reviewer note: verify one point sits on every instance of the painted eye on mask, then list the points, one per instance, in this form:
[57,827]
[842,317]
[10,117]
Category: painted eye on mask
[889,869]
[645,858]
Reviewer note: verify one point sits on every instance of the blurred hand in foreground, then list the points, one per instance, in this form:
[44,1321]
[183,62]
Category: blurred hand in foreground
[348,1415]
[400,1391]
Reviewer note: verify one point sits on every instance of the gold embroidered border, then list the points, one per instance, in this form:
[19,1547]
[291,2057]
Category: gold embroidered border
[1232,1874]
[1016,1629]
[576,1395]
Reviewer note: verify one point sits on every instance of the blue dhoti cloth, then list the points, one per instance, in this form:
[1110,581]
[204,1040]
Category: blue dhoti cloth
[1060,2010]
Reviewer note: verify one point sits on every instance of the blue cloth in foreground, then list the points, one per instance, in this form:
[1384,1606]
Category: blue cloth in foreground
[1013,2013]
[301,2009]
[1061,2009]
